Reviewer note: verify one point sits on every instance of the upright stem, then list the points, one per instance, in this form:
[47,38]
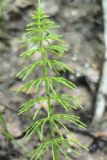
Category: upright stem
[44,72]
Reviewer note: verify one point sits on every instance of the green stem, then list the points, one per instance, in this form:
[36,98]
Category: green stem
[54,151]
[44,72]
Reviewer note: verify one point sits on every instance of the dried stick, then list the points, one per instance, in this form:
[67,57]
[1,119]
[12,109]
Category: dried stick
[102,90]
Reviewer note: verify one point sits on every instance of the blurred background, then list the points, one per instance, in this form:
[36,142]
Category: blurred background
[82,24]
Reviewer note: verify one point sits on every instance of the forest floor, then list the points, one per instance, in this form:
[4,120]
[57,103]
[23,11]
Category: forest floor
[81,23]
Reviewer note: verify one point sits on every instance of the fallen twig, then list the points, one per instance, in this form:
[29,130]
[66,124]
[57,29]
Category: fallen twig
[102,89]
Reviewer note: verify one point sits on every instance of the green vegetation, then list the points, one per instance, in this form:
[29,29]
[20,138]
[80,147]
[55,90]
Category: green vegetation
[38,32]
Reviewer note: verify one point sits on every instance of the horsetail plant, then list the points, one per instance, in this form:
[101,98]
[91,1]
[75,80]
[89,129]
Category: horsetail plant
[39,36]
